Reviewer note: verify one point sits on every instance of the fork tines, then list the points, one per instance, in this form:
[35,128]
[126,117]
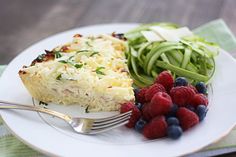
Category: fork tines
[110,122]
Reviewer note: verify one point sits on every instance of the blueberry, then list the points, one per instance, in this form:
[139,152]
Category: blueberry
[201,111]
[139,125]
[172,121]
[174,131]
[181,81]
[136,91]
[201,87]
[139,105]
[190,107]
[173,110]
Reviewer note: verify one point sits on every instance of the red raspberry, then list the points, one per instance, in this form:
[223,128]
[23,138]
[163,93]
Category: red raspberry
[152,90]
[136,114]
[181,95]
[156,128]
[165,78]
[199,99]
[194,88]
[145,112]
[141,95]
[161,104]
[187,118]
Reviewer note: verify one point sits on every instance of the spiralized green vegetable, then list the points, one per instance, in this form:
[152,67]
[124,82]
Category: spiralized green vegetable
[192,57]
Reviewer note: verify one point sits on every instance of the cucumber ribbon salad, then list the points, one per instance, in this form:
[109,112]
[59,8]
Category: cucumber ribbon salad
[155,47]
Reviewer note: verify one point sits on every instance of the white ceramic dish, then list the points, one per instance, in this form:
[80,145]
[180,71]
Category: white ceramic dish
[54,137]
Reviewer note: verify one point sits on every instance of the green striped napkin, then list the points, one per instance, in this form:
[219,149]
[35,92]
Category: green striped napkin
[11,146]
[218,32]
[215,31]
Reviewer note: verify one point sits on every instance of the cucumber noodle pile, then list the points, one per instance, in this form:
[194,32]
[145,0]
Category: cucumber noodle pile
[192,57]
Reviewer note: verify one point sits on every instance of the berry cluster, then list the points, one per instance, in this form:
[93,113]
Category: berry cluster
[168,107]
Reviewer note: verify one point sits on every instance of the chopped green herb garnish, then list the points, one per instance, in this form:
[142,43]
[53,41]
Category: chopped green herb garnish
[78,66]
[100,73]
[98,70]
[67,61]
[82,51]
[70,57]
[58,77]
[94,53]
[57,54]
[87,43]
[63,61]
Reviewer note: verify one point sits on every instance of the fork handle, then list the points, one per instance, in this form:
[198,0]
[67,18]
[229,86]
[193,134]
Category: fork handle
[9,105]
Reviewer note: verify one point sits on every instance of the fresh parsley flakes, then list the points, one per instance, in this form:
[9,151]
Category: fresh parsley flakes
[98,70]
[57,54]
[94,53]
[63,61]
[78,66]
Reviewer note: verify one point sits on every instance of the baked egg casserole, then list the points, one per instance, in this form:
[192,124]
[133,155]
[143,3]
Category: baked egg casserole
[90,71]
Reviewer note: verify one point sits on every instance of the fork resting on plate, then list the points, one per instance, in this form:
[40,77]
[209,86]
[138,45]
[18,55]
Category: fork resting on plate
[80,125]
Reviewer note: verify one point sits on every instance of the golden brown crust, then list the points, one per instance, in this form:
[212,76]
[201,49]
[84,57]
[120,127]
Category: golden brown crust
[44,57]
[119,36]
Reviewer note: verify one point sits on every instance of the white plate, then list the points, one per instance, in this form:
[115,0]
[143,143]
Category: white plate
[54,137]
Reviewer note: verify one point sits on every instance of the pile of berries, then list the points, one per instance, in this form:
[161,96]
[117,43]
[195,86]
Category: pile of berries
[168,107]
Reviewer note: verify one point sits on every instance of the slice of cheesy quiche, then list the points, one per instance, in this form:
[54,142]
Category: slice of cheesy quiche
[90,71]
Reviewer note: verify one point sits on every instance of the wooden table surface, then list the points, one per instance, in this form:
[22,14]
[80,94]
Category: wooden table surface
[24,22]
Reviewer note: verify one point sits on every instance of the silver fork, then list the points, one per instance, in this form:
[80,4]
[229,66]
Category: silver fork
[80,125]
